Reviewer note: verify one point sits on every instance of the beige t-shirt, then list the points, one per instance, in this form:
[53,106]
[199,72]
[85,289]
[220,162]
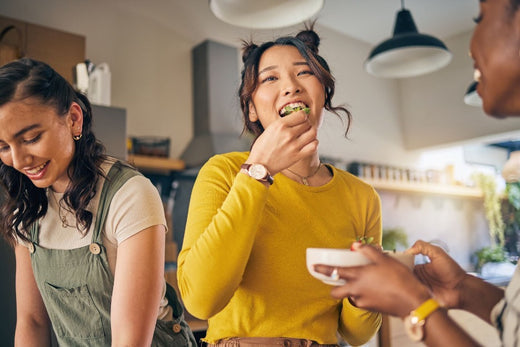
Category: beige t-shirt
[135,206]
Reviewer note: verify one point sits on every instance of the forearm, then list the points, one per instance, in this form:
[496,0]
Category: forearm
[440,331]
[479,297]
[32,333]
[357,325]
[138,285]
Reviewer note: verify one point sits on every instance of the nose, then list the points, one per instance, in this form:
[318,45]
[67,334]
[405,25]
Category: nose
[19,158]
[291,86]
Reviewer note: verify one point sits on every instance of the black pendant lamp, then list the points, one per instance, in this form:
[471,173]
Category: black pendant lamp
[471,97]
[407,53]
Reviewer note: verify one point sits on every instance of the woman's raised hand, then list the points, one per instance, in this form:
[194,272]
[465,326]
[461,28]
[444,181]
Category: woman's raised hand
[442,274]
[284,142]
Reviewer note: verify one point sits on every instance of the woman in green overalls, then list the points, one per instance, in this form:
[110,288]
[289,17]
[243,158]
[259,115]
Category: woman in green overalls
[88,231]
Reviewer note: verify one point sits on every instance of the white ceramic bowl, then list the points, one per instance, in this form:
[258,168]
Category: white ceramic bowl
[406,259]
[333,257]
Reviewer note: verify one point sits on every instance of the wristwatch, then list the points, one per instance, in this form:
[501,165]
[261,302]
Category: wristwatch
[414,322]
[258,172]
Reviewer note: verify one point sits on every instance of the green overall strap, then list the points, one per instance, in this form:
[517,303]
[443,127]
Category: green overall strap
[116,177]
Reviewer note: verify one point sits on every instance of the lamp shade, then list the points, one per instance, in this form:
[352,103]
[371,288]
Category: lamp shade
[471,97]
[511,169]
[407,53]
[264,14]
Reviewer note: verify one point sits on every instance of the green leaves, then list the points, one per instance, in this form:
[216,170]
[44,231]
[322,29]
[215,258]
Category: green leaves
[491,254]
[393,238]
[492,206]
[365,240]
[513,194]
[288,110]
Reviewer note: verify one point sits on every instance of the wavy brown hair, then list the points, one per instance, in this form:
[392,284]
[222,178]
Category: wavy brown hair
[307,42]
[24,203]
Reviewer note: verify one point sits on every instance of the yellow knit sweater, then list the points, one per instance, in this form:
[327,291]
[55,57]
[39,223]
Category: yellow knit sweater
[243,265]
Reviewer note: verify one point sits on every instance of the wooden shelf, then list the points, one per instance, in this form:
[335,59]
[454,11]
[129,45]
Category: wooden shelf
[425,188]
[148,163]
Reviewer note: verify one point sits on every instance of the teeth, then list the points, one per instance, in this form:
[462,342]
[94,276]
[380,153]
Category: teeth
[477,75]
[292,105]
[35,170]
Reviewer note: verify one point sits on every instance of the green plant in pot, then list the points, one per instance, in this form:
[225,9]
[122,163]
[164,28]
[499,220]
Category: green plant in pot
[495,253]
[393,238]
[511,213]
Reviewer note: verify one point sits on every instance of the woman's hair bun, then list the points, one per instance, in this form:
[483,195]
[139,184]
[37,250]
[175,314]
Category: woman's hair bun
[310,38]
[247,48]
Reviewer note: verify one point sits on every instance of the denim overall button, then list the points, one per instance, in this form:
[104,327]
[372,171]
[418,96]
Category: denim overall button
[31,247]
[176,328]
[94,248]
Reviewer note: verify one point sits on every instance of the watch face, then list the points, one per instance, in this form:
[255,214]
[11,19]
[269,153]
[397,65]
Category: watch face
[258,171]
[414,331]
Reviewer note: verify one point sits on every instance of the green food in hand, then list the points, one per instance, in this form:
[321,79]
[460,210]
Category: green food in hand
[363,240]
[288,110]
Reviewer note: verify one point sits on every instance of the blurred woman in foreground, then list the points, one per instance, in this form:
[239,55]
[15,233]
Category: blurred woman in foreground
[421,300]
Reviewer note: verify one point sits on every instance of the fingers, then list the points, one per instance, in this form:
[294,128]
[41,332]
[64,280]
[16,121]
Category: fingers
[425,248]
[296,118]
[371,252]
[337,272]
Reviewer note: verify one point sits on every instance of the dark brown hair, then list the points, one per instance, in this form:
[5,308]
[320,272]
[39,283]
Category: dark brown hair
[307,42]
[25,203]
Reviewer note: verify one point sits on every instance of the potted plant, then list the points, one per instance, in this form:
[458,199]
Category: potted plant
[393,238]
[511,213]
[492,260]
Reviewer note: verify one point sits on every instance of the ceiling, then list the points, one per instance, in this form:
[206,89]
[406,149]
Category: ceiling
[369,21]
[373,20]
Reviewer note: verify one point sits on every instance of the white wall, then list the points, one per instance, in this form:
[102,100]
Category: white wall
[151,78]
[457,222]
[150,64]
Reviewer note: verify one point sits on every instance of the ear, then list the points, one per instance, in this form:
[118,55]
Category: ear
[76,119]
[253,117]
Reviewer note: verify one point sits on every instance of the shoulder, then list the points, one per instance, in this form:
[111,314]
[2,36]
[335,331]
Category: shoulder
[228,159]
[352,181]
[135,185]
[227,162]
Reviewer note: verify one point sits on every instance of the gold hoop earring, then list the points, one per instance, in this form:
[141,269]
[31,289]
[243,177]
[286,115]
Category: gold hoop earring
[77,137]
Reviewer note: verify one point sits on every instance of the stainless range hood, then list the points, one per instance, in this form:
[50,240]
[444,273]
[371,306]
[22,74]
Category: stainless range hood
[217,120]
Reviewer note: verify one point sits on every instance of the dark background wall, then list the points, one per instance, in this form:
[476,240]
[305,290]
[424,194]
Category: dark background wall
[7,293]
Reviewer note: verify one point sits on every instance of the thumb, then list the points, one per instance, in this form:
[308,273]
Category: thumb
[373,253]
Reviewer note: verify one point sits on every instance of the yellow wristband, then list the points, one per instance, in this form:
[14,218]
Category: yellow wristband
[414,322]
[424,310]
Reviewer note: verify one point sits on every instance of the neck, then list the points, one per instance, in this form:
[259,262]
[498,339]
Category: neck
[307,166]
[304,179]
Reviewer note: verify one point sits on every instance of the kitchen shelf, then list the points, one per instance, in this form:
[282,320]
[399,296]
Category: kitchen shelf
[148,163]
[425,188]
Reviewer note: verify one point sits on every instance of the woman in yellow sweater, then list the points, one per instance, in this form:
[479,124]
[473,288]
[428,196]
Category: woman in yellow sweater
[253,214]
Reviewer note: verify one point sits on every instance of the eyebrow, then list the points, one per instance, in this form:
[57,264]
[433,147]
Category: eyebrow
[26,129]
[272,67]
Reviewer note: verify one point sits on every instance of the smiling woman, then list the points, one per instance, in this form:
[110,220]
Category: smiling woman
[387,286]
[254,214]
[74,216]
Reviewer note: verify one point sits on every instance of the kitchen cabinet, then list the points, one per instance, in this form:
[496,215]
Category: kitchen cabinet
[59,49]
[156,164]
